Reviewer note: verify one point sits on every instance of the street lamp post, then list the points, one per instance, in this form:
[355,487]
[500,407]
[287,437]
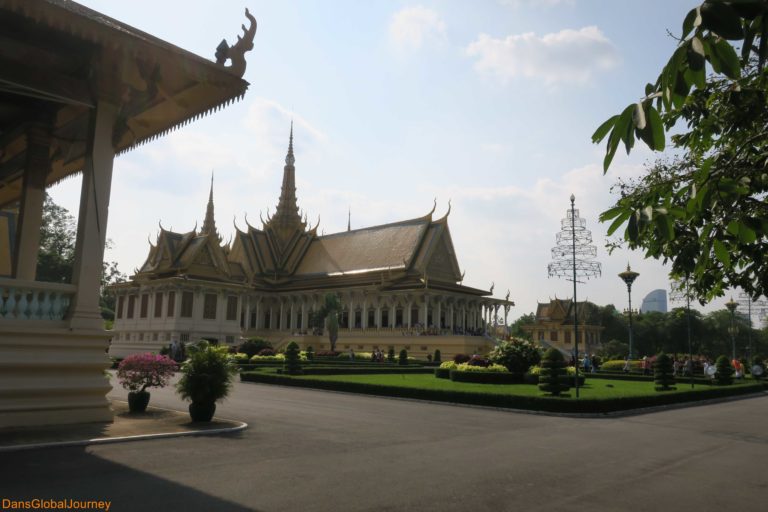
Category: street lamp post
[681,289]
[732,305]
[629,276]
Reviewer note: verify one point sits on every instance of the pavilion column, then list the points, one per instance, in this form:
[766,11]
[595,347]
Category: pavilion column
[304,319]
[292,319]
[245,309]
[450,317]
[351,313]
[408,321]
[364,314]
[378,314]
[424,312]
[37,167]
[393,313]
[92,218]
[464,317]
[437,320]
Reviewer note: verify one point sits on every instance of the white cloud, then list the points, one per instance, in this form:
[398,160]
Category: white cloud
[413,27]
[567,56]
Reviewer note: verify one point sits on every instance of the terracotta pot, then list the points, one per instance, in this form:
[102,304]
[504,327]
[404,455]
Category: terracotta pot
[202,411]
[138,401]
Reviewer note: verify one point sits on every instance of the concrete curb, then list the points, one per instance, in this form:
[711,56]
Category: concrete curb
[240,426]
[600,415]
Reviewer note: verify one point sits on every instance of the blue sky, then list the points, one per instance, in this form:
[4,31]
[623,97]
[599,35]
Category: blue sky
[489,104]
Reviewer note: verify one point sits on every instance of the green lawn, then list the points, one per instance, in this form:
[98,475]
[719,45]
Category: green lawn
[594,388]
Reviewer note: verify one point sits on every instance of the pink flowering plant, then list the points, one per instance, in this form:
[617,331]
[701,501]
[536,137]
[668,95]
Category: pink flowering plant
[138,372]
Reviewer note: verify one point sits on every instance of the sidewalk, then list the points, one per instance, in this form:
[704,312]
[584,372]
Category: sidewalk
[152,424]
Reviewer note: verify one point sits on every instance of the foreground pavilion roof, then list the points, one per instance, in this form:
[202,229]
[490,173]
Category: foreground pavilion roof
[57,58]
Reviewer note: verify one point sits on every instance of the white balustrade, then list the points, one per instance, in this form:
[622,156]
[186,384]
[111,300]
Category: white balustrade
[33,300]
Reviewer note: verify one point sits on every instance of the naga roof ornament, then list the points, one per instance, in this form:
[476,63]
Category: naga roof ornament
[236,52]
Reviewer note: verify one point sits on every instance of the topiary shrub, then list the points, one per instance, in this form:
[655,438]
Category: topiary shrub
[460,358]
[309,353]
[724,375]
[516,354]
[663,374]
[252,346]
[758,360]
[553,369]
[402,360]
[292,365]
[437,356]
[391,355]
[266,352]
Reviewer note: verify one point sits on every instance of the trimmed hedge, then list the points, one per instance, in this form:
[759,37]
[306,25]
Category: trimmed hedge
[485,377]
[537,403]
[534,379]
[361,371]
[643,378]
[443,373]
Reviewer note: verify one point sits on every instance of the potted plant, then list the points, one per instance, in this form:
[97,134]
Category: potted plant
[206,378]
[138,372]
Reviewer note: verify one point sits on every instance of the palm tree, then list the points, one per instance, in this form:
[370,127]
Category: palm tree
[330,310]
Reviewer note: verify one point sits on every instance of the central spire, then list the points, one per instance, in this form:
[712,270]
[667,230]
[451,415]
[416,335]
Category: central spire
[209,224]
[287,214]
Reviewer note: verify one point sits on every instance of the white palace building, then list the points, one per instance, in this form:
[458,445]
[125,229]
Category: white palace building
[400,286]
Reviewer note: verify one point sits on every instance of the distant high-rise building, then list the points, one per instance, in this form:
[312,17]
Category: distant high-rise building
[655,301]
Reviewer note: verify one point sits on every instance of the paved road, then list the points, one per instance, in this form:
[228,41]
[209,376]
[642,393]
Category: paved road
[310,450]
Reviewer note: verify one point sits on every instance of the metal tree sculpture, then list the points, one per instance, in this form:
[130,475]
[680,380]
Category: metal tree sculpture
[760,305]
[572,258]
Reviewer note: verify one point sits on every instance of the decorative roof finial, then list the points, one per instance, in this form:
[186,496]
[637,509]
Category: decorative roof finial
[349,219]
[289,158]
[209,224]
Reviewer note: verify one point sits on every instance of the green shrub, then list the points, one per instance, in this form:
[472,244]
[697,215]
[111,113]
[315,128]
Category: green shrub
[493,368]
[253,346]
[553,368]
[241,358]
[403,358]
[663,374]
[443,373]
[516,354]
[724,375]
[292,364]
[617,365]
[309,354]
[438,356]
[391,355]
[206,374]
[277,358]
[758,360]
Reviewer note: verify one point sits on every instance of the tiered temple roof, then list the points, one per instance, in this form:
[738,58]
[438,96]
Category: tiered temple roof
[285,254]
